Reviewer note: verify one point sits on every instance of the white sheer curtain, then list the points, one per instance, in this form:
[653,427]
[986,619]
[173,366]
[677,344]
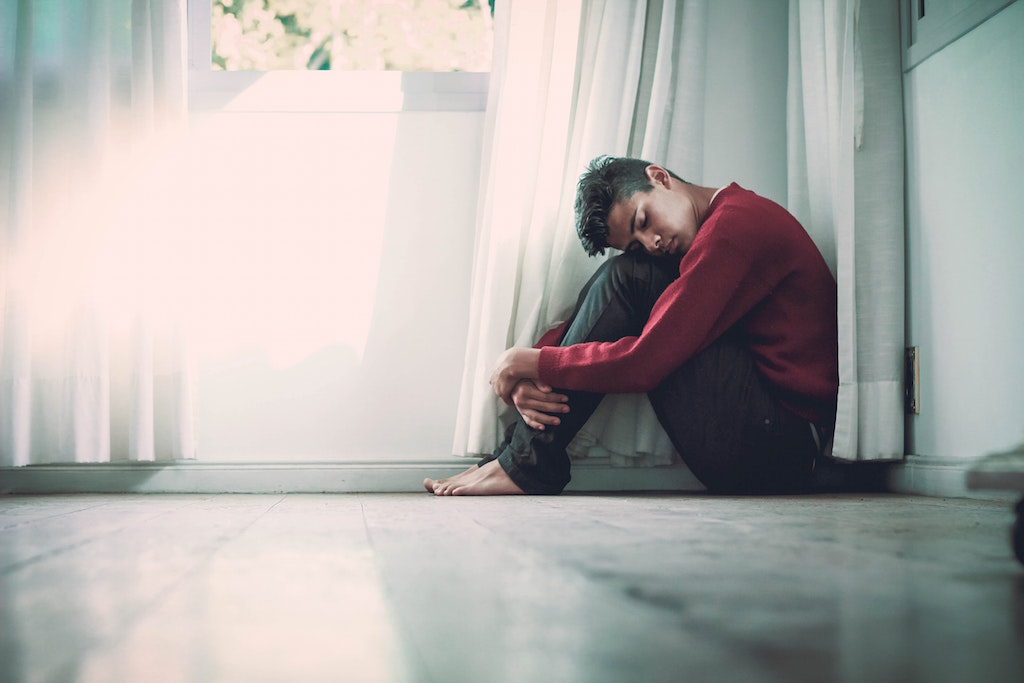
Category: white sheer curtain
[846,185]
[571,80]
[92,367]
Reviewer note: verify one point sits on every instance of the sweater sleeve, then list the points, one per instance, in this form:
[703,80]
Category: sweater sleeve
[551,337]
[720,281]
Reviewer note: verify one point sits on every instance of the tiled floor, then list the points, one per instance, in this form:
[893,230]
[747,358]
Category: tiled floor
[406,587]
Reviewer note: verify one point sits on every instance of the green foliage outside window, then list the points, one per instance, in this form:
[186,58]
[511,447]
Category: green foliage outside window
[366,35]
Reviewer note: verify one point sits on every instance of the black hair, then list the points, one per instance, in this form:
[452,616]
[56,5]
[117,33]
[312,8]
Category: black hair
[607,180]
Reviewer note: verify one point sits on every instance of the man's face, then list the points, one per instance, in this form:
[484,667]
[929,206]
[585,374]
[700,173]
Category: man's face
[662,221]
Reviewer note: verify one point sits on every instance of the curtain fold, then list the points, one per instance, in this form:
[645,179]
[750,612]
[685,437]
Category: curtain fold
[638,89]
[571,81]
[845,160]
[92,363]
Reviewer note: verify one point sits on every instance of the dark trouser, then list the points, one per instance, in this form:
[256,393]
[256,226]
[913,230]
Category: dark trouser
[732,434]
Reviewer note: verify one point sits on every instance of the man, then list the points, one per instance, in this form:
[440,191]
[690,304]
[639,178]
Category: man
[721,308]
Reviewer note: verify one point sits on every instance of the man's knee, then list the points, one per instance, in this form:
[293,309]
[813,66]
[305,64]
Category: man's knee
[640,278]
[638,267]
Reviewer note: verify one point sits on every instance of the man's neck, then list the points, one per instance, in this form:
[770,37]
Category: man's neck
[702,197]
[715,194]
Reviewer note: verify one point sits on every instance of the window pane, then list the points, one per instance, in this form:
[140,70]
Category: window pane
[364,35]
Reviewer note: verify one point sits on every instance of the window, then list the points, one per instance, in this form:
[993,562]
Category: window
[356,35]
[339,55]
[930,25]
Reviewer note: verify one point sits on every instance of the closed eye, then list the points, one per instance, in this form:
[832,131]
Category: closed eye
[635,246]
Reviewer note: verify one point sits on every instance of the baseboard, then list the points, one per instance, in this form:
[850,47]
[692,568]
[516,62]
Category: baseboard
[917,474]
[939,476]
[347,477]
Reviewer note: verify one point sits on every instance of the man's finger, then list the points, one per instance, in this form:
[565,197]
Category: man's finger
[536,394]
[539,420]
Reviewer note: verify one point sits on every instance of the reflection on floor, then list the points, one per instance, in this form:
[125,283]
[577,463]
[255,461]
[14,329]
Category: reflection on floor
[405,587]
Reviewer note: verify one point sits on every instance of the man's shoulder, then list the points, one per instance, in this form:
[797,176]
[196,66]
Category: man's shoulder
[743,210]
[735,197]
[746,222]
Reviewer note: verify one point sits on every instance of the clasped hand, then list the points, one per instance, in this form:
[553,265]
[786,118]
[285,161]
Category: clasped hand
[514,380]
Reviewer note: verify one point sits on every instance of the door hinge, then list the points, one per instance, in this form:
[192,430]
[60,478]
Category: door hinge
[912,380]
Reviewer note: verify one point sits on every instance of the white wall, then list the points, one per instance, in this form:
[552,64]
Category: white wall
[309,345]
[965,240]
[745,104]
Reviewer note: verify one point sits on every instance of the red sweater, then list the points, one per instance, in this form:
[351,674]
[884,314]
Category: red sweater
[751,266]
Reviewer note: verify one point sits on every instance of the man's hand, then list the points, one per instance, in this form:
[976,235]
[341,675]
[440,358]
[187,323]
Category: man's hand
[535,401]
[515,364]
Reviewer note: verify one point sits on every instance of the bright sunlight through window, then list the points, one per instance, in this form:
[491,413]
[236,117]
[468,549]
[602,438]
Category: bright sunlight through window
[352,35]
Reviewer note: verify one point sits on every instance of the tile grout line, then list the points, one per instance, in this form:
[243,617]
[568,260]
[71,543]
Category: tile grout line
[57,552]
[406,644]
[161,596]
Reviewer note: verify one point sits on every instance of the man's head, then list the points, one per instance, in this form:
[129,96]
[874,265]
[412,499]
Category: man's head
[633,205]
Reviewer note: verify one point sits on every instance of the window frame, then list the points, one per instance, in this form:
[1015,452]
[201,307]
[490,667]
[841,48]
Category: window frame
[321,91]
[922,34]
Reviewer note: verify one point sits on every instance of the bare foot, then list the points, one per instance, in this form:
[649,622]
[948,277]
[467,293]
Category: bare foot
[431,486]
[489,480]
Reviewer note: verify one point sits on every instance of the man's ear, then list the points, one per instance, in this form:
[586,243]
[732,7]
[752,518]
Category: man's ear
[658,175]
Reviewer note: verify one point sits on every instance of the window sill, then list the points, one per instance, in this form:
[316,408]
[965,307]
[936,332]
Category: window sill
[333,91]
